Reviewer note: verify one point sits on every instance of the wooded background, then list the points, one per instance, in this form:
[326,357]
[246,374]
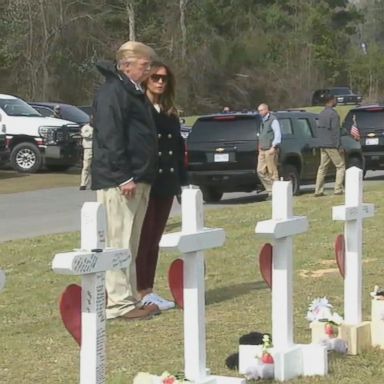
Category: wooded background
[224,52]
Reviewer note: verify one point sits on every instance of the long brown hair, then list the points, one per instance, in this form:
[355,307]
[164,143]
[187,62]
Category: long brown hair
[167,99]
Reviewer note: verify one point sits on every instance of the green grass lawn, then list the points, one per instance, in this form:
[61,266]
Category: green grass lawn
[35,347]
[12,181]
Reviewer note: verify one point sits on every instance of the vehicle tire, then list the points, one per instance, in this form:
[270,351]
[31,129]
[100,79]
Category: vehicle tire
[290,173]
[58,167]
[26,158]
[210,195]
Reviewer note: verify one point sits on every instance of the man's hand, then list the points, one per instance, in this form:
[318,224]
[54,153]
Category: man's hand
[128,190]
[271,150]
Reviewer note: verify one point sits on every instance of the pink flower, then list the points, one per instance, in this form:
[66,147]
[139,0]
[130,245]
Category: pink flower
[169,380]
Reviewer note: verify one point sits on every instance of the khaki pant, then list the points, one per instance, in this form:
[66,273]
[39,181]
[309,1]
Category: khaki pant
[267,168]
[125,218]
[329,155]
[85,172]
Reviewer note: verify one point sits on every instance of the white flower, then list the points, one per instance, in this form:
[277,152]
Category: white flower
[321,310]
[143,378]
[336,318]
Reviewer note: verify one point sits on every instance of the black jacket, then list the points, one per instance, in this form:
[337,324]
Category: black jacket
[171,173]
[124,136]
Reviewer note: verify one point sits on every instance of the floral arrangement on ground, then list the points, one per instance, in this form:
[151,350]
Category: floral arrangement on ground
[164,378]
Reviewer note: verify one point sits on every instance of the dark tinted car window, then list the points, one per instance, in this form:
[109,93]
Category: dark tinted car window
[44,111]
[74,114]
[303,128]
[285,127]
[340,91]
[225,128]
[366,120]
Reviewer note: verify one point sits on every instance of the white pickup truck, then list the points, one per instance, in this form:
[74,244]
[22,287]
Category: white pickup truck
[35,141]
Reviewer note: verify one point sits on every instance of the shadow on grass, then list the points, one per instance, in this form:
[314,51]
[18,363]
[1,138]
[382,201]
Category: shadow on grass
[171,227]
[251,198]
[218,295]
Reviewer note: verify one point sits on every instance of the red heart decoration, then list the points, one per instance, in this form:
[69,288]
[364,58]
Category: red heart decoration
[176,281]
[265,263]
[70,310]
[340,254]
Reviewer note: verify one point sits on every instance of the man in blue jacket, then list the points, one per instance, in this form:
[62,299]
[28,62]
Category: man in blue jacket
[123,167]
[331,151]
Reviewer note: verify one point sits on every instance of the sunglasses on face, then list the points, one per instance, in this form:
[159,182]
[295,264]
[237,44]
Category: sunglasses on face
[156,78]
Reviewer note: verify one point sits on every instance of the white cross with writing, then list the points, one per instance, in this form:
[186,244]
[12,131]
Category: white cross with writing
[281,229]
[353,213]
[192,241]
[91,262]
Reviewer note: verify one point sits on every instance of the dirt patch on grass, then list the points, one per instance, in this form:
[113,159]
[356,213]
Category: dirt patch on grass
[305,273]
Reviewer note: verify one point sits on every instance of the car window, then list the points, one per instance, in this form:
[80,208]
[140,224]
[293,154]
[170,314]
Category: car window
[74,114]
[286,127]
[225,128]
[44,111]
[340,91]
[366,120]
[17,107]
[303,128]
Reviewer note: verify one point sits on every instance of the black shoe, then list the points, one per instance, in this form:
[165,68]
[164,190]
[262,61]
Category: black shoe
[83,188]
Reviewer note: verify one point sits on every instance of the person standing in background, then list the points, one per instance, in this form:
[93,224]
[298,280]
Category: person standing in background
[124,166]
[87,135]
[160,90]
[329,133]
[269,144]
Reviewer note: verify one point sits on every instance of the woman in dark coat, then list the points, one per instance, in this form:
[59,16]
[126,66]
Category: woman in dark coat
[160,90]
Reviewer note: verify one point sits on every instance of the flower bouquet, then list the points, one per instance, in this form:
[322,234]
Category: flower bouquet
[324,323]
[164,378]
[265,368]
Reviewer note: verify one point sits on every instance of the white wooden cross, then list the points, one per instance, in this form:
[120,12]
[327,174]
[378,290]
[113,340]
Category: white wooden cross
[192,241]
[353,213]
[91,262]
[2,279]
[281,229]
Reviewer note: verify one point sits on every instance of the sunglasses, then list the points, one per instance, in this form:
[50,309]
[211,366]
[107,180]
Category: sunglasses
[156,78]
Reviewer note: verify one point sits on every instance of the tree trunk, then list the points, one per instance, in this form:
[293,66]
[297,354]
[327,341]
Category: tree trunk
[183,6]
[44,51]
[131,20]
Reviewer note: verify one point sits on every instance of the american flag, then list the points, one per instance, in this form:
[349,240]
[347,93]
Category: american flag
[355,133]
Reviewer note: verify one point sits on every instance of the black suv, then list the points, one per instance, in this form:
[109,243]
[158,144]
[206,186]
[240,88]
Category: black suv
[222,152]
[369,120]
[344,95]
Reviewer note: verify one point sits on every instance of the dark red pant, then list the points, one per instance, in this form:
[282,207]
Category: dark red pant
[153,227]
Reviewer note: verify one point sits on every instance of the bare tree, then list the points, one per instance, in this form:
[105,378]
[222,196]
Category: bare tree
[183,7]
[129,6]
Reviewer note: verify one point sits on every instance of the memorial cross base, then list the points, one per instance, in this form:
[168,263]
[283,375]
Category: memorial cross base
[357,337]
[377,323]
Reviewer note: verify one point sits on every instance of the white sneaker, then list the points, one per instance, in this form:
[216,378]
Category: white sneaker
[153,298]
